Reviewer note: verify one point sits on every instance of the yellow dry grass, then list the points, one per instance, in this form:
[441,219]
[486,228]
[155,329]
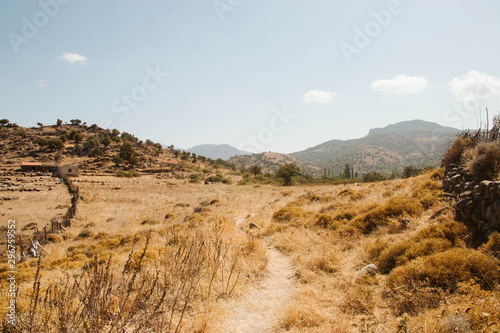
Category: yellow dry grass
[328,232]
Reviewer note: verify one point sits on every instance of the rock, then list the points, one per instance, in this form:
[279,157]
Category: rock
[368,270]
[484,185]
[463,203]
[469,186]
[455,179]
[496,205]
[490,213]
[466,194]
[252,225]
[484,209]
[487,226]
[496,222]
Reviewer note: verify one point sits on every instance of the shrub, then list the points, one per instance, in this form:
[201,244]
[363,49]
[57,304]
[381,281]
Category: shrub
[85,233]
[352,195]
[445,270]
[289,214]
[493,245]
[194,178]
[97,151]
[454,153]
[372,176]
[486,161]
[431,240]
[324,220]
[206,170]
[395,207]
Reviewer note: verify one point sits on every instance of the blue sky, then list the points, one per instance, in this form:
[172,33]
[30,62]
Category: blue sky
[259,75]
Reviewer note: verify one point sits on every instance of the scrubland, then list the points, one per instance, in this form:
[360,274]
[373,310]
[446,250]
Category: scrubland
[153,254]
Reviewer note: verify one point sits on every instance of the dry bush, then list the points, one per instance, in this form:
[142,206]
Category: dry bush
[358,299]
[486,161]
[289,214]
[428,190]
[140,297]
[453,154]
[428,241]
[413,298]
[351,194]
[301,314]
[324,220]
[493,245]
[395,207]
[446,269]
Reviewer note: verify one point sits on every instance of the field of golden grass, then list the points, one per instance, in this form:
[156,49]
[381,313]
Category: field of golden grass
[428,279]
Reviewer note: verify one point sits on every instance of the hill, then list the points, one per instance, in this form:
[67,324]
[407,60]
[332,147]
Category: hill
[270,161]
[387,149]
[94,149]
[223,151]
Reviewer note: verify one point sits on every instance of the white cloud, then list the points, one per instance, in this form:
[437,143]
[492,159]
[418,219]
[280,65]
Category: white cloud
[319,96]
[74,58]
[41,84]
[475,85]
[400,84]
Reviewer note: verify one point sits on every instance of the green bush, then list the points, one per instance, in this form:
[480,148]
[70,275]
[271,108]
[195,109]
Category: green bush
[194,178]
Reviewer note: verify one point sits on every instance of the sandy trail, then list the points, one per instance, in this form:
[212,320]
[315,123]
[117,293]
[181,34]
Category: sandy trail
[258,309]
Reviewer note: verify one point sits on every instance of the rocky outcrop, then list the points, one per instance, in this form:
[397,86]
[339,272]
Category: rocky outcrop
[478,203]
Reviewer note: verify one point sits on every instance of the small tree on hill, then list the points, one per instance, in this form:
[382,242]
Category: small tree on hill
[59,122]
[286,172]
[4,122]
[75,121]
[255,169]
[40,124]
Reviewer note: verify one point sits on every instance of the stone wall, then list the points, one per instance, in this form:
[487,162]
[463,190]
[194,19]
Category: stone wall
[478,203]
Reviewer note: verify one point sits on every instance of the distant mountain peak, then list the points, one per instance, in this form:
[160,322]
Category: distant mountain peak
[215,151]
[411,126]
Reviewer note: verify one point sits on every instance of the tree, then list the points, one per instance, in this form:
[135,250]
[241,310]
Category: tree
[411,171]
[127,151]
[4,122]
[59,122]
[287,172]
[347,171]
[75,121]
[255,169]
[372,176]
[106,141]
[78,137]
[40,124]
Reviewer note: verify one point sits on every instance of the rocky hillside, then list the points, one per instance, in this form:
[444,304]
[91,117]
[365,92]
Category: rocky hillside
[387,149]
[94,149]
[270,161]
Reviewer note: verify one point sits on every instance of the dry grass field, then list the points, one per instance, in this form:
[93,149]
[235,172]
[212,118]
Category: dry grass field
[254,258]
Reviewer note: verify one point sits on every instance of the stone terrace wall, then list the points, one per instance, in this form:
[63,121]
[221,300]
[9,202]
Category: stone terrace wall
[478,203]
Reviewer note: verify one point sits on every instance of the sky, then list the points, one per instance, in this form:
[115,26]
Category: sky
[260,75]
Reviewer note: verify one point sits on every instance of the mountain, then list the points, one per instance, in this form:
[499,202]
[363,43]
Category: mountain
[217,151]
[387,149]
[270,161]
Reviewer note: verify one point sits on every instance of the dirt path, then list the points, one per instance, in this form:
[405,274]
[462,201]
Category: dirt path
[257,310]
